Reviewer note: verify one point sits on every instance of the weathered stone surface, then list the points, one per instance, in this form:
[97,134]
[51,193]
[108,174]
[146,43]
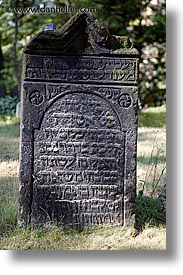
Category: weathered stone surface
[79,127]
[80,35]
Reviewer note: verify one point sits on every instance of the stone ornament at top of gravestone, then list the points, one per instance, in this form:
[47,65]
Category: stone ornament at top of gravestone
[78,127]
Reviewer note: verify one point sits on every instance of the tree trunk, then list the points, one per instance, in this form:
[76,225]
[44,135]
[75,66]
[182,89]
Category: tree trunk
[1,56]
[15,47]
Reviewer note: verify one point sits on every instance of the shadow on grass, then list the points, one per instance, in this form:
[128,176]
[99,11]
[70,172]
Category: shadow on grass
[9,150]
[148,212]
[153,159]
[11,129]
[149,135]
[155,120]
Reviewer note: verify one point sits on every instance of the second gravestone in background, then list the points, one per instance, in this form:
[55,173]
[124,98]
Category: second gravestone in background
[79,127]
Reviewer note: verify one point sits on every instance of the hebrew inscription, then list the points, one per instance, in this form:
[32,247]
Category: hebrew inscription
[122,96]
[79,163]
[110,70]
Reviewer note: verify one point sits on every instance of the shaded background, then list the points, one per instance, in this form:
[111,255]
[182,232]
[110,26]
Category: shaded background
[143,21]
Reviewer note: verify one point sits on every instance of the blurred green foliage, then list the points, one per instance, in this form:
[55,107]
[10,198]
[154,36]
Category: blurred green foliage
[144,21]
[8,106]
[148,211]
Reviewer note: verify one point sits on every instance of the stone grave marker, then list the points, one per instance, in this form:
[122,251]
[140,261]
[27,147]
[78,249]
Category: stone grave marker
[79,127]
[18,109]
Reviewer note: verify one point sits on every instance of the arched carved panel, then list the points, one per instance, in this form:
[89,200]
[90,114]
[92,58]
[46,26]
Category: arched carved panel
[79,157]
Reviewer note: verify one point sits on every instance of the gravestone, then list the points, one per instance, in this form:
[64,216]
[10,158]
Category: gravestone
[79,127]
[18,109]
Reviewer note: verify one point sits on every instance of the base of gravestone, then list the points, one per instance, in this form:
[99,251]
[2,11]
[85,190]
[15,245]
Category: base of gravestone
[51,225]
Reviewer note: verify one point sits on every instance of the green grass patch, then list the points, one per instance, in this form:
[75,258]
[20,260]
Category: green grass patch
[9,152]
[9,127]
[155,120]
[152,117]
[148,211]
[8,204]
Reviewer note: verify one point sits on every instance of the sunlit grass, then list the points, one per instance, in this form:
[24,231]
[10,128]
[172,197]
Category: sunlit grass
[106,238]
[9,152]
[151,156]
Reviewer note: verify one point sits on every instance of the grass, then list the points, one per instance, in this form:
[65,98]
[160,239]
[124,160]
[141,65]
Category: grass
[151,158]
[150,219]
[108,238]
[152,117]
[9,151]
